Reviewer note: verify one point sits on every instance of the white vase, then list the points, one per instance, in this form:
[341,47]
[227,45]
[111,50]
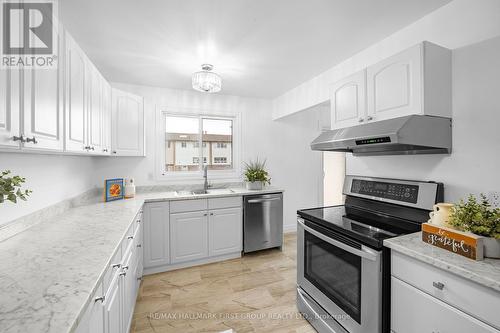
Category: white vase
[491,247]
[255,185]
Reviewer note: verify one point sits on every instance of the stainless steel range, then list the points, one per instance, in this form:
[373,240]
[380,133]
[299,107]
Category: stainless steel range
[343,270]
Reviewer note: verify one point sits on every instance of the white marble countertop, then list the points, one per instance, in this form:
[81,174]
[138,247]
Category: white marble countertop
[485,272]
[49,271]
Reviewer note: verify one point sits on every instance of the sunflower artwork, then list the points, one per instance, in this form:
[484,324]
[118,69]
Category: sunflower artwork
[113,189]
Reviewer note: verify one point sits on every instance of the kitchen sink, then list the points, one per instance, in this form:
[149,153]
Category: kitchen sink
[217,191]
[220,191]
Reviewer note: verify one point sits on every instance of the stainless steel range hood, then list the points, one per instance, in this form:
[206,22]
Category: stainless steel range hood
[407,135]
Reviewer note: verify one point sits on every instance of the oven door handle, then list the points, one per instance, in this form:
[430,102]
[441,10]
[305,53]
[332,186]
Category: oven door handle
[363,252]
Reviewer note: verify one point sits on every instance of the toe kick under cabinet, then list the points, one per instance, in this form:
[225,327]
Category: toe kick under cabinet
[427,299]
[191,232]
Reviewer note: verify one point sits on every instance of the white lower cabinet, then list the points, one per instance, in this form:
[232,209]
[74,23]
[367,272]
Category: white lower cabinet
[414,311]
[189,239]
[93,318]
[225,231]
[112,306]
[156,234]
[425,298]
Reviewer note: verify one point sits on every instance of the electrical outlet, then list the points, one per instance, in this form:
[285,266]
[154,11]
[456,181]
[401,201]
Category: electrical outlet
[494,198]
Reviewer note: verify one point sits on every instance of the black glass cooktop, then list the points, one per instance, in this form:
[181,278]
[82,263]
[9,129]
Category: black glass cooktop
[367,227]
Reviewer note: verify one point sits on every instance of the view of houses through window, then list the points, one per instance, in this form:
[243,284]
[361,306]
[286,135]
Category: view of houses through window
[191,139]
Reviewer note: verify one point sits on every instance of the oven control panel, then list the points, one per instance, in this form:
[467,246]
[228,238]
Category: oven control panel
[392,191]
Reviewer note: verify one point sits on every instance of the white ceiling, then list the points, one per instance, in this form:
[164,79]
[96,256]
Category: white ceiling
[260,48]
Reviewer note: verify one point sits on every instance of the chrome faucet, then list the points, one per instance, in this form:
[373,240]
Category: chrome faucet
[205,175]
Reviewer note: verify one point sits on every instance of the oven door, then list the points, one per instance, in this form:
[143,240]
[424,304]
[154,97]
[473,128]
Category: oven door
[341,275]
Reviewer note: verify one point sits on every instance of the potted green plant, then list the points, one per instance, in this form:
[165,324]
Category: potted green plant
[478,217]
[10,187]
[256,175]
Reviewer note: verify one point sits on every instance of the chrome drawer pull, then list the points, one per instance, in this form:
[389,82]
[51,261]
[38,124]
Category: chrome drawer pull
[130,237]
[438,285]
[101,299]
[116,266]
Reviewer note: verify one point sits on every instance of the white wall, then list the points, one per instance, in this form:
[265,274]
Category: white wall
[457,24]
[474,165]
[285,143]
[52,179]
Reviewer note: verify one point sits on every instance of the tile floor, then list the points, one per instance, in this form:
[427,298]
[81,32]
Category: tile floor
[255,293]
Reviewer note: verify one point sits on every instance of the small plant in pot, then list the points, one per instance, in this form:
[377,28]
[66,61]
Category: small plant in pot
[256,175]
[481,219]
[10,187]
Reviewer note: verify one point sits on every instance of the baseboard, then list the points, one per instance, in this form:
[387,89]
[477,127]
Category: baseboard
[289,228]
[171,267]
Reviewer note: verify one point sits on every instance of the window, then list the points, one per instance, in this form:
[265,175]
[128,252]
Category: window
[193,141]
[220,160]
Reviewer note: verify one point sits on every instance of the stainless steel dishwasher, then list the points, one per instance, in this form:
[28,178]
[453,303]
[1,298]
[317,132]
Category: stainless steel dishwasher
[262,221]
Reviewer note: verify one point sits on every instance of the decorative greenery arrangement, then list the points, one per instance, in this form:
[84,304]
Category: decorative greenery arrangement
[255,172]
[10,188]
[476,217]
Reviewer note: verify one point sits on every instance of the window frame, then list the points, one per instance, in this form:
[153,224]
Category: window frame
[233,174]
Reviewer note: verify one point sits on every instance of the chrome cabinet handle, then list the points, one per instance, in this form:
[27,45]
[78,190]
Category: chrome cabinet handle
[438,285]
[123,273]
[139,245]
[86,147]
[205,214]
[92,148]
[105,150]
[32,140]
[211,214]
[100,299]
[18,138]
[360,120]
[116,266]
[130,237]
[363,252]
[263,200]
[114,151]
[369,118]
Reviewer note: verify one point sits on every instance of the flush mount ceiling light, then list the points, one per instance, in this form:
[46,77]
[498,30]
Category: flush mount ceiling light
[206,81]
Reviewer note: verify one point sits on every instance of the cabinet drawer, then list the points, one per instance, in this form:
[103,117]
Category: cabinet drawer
[474,299]
[229,202]
[413,311]
[188,205]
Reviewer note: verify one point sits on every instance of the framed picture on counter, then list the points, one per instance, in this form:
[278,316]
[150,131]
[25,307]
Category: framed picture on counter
[113,189]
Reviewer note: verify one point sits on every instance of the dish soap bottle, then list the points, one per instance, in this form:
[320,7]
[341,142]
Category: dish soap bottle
[129,188]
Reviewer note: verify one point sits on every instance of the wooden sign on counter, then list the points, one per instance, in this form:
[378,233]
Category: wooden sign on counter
[462,243]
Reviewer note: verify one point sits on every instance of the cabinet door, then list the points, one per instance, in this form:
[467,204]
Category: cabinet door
[348,101]
[129,284]
[76,92]
[225,231]
[156,234]
[113,317]
[9,108]
[95,117]
[394,85]
[127,124]
[413,311]
[106,117]
[43,106]
[189,236]
[93,317]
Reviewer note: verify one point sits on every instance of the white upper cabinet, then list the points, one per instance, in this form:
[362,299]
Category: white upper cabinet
[43,108]
[127,124]
[415,81]
[76,98]
[106,117]
[348,101]
[95,114]
[10,132]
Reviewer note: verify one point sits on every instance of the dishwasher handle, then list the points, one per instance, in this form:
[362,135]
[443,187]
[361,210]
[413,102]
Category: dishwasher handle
[263,200]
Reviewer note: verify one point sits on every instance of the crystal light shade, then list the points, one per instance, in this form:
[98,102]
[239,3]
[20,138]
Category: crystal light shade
[206,81]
